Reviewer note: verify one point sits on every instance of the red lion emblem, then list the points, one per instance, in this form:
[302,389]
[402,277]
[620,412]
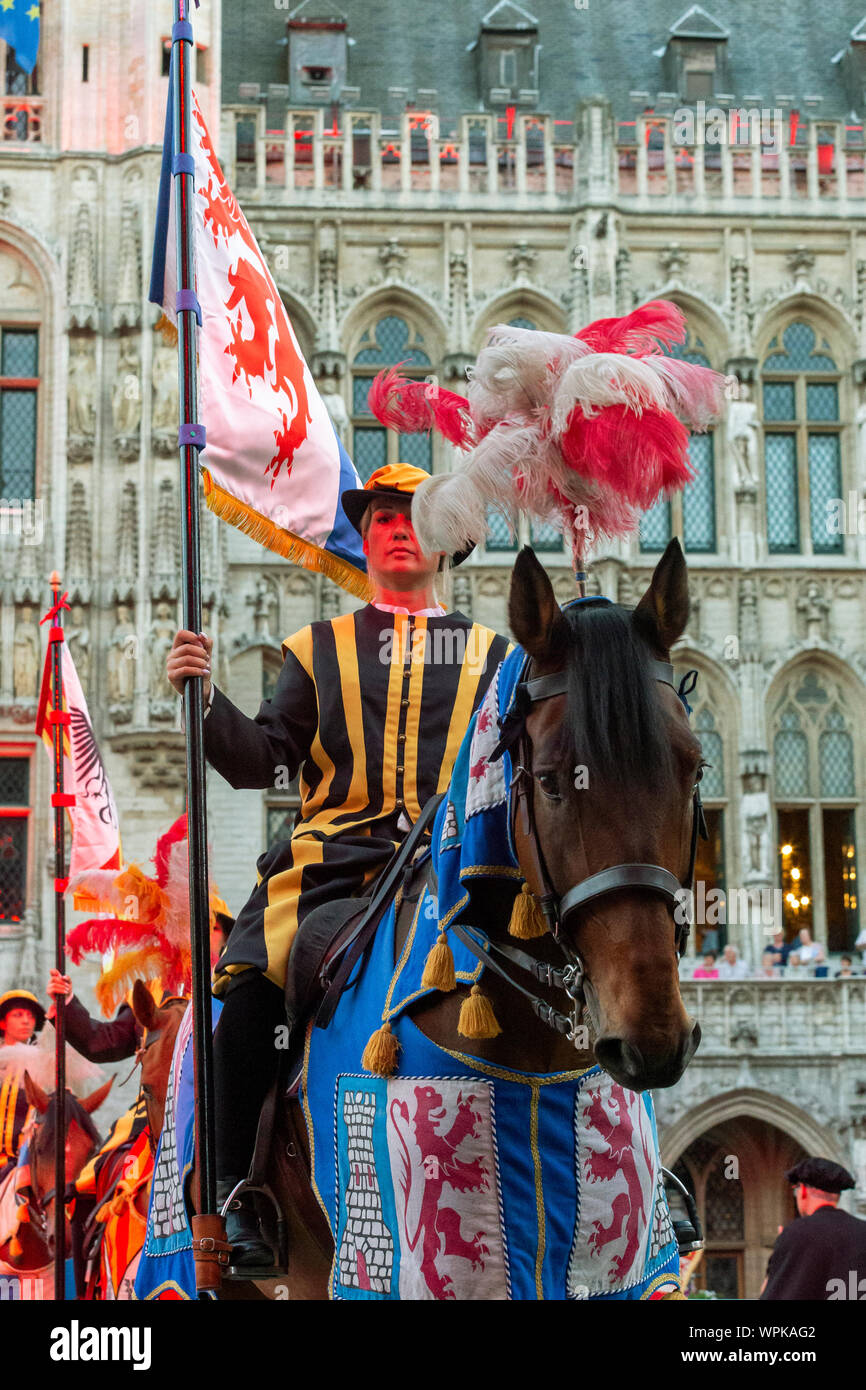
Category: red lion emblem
[627,1208]
[438,1226]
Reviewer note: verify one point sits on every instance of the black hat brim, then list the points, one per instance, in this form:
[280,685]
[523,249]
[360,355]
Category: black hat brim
[356,500]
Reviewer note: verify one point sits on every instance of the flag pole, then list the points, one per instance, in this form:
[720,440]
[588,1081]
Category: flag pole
[59,801]
[190,439]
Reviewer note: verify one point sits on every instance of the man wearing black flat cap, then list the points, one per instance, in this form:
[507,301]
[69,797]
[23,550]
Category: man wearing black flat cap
[821,1257]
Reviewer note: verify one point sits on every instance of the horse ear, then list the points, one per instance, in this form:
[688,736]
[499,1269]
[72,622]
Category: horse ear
[663,612]
[95,1099]
[35,1094]
[533,612]
[143,1005]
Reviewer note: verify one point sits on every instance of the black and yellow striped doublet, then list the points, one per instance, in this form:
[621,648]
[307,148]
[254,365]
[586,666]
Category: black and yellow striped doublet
[370,710]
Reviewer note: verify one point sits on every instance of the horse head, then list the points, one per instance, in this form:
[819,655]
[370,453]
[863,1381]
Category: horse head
[605,779]
[160,1024]
[34,1247]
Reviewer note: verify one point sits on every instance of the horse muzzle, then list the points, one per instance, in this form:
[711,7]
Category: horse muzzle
[636,1071]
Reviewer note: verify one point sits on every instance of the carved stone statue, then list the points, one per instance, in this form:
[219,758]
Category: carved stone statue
[78,642]
[742,426]
[25,658]
[262,600]
[162,632]
[815,607]
[126,397]
[336,408]
[755,810]
[165,402]
[81,420]
[122,655]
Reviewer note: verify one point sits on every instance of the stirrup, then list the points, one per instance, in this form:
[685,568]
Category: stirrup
[279,1265]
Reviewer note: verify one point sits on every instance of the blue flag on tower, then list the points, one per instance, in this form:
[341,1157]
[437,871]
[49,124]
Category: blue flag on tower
[19,26]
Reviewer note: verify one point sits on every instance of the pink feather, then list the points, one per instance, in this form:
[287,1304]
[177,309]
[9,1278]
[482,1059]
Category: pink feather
[638,456]
[411,407]
[650,328]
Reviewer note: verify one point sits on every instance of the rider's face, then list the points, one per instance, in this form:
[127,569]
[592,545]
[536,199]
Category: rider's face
[394,556]
[19,1025]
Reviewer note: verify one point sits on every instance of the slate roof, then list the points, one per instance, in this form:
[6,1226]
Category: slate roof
[776,47]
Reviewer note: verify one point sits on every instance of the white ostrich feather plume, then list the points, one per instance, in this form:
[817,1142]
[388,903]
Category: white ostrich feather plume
[38,1059]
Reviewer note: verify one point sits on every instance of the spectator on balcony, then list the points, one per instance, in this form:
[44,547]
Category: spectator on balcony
[707,969]
[846,969]
[808,952]
[731,967]
[860,944]
[770,967]
[780,948]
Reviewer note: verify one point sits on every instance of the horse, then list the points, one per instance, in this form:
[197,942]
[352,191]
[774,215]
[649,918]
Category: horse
[28,1249]
[605,855]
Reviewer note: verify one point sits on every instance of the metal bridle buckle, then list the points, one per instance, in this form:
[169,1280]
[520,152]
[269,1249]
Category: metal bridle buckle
[572,981]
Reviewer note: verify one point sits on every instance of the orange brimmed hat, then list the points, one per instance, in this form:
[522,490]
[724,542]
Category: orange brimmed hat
[394,482]
[22,999]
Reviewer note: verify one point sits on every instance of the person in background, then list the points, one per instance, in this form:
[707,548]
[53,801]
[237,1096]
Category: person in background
[822,1257]
[846,969]
[707,969]
[731,967]
[808,952]
[769,969]
[780,948]
[21,1018]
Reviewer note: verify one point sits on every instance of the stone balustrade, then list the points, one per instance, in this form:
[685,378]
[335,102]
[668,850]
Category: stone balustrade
[542,162]
[806,1018]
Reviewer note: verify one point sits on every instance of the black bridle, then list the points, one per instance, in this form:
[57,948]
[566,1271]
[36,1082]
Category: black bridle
[558,909]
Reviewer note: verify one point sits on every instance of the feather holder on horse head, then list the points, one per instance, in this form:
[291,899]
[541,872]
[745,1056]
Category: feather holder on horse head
[582,433]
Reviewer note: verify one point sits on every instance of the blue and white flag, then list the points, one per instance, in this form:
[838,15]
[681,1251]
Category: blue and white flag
[272,464]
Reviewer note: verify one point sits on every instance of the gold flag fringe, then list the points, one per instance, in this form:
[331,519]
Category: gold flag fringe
[286,543]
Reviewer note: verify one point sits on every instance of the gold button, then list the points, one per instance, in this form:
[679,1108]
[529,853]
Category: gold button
[401,738]
[400,767]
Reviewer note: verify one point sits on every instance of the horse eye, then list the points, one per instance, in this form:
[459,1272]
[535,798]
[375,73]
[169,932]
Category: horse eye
[549,783]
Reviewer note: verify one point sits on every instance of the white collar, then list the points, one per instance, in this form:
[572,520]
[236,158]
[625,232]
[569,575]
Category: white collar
[437,612]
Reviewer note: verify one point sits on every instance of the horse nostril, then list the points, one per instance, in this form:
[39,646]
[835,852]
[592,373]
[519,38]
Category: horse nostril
[622,1061]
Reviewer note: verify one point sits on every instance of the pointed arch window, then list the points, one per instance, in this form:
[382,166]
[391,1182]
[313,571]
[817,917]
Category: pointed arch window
[19,386]
[391,341]
[710,862]
[817,807]
[691,514]
[800,385]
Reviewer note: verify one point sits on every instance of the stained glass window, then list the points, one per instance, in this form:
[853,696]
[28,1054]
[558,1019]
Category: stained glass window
[14,781]
[499,535]
[799,351]
[13,867]
[723,1204]
[392,341]
[779,400]
[791,757]
[825,486]
[655,527]
[783,517]
[699,497]
[836,757]
[19,358]
[545,537]
[713,780]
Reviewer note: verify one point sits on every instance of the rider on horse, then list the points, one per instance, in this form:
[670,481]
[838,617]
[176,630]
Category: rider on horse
[21,1018]
[370,708]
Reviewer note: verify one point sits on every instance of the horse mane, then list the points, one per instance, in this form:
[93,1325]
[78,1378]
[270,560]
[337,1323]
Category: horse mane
[616,726]
[47,1127]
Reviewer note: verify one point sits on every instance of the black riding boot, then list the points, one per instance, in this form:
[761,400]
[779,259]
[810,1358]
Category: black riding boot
[245,1061]
[249,1248]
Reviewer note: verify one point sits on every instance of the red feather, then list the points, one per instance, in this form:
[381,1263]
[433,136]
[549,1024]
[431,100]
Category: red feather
[410,407]
[650,328]
[101,934]
[171,837]
[639,456]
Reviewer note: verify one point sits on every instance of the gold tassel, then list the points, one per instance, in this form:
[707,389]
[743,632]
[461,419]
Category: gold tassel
[439,966]
[676,1294]
[477,1019]
[527,919]
[380,1054]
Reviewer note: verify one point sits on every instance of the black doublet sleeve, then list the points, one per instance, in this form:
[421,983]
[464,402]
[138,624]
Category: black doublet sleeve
[101,1042]
[247,752]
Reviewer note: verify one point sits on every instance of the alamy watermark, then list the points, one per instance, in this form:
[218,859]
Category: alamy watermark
[739,125]
[734,906]
[24,517]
